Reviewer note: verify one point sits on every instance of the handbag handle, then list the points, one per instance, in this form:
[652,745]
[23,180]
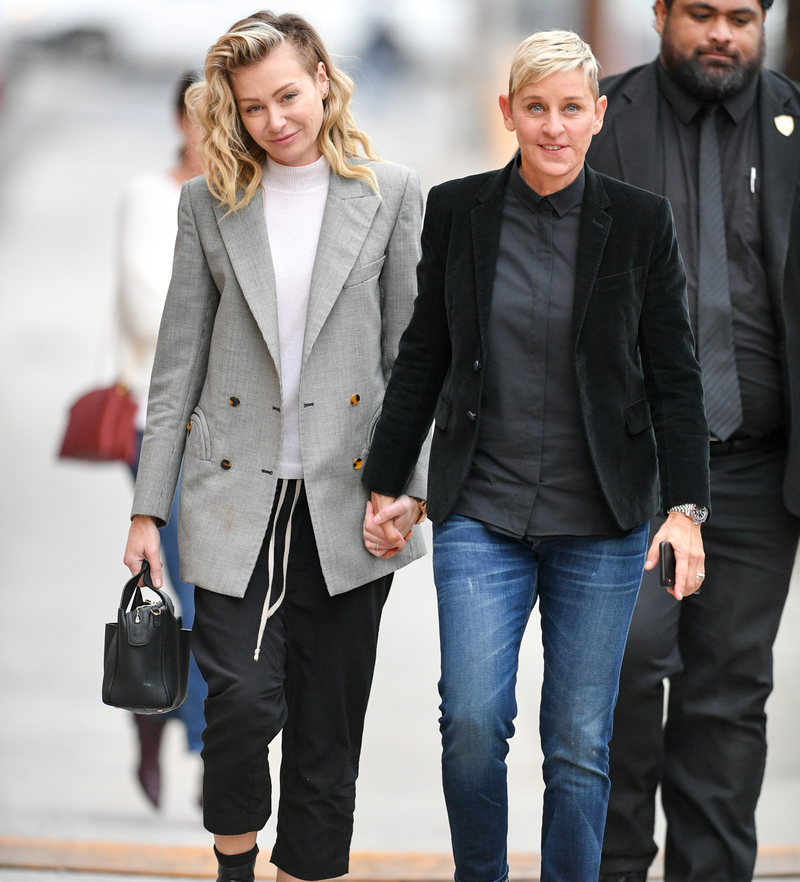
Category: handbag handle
[132,585]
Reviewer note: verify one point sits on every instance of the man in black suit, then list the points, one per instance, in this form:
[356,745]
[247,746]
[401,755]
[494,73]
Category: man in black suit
[707,127]
[551,344]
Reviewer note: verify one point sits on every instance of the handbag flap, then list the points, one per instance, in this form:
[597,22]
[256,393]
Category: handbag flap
[101,427]
[141,621]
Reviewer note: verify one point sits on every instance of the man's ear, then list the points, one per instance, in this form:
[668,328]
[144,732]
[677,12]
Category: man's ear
[661,11]
[505,109]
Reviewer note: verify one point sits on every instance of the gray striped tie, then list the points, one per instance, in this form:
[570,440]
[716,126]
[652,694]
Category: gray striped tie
[715,317]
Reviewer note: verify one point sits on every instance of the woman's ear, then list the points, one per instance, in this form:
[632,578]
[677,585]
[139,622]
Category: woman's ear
[322,79]
[508,116]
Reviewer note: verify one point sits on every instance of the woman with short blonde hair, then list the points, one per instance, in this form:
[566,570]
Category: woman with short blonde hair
[548,52]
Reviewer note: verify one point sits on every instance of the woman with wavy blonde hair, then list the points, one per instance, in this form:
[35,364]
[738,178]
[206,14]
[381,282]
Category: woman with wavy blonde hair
[278,337]
[234,160]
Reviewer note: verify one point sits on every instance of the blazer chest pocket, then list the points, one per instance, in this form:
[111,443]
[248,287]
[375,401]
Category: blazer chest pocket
[197,428]
[628,279]
[364,272]
[637,416]
[441,415]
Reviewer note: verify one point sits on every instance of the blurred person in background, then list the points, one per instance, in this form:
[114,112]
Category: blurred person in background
[292,282]
[551,344]
[708,127]
[148,226]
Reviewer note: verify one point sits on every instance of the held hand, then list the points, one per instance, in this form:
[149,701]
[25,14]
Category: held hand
[144,541]
[685,538]
[403,512]
[396,517]
[375,540]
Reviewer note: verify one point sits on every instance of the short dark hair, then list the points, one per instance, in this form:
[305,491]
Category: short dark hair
[188,79]
[766,5]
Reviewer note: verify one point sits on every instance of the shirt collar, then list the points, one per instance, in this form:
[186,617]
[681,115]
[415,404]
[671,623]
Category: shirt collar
[562,201]
[686,106]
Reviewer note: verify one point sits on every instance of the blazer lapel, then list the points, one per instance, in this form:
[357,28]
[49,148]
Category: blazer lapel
[245,236]
[780,163]
[487,219]
[636,133]
[349,212]
[594,230]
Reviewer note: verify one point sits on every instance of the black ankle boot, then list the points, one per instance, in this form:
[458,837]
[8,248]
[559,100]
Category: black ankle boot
[245,872]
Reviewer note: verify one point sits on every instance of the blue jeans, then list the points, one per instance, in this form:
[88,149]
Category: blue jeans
[190,713]
[487,585]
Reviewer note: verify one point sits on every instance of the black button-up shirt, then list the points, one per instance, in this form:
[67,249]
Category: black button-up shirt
[755,332]
[532,475]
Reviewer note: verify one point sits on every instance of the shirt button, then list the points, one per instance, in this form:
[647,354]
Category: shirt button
[357,463]
[477,366]
[233,401]
[354,399]
[226,464]
[471,416]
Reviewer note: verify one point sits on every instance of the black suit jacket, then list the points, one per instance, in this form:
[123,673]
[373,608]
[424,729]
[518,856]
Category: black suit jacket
[627,148]
[638,381]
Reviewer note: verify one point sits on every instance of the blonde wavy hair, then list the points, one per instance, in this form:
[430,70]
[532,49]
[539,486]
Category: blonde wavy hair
[547,52]
[233,161]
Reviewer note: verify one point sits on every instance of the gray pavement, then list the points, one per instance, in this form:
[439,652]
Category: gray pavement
[69,139]
[55,876]
[65,876]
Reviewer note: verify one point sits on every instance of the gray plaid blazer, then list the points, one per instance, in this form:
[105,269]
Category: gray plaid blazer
[218,371]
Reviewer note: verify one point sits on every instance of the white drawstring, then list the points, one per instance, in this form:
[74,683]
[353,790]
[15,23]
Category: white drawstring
[267,610]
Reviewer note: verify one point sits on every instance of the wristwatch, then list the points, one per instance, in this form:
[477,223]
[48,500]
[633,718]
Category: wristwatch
[423,509]
[698,513]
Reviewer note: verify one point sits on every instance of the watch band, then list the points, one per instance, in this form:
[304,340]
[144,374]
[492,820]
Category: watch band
[698,513]
[423,509]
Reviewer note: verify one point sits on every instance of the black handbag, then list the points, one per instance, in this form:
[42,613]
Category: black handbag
[146,652]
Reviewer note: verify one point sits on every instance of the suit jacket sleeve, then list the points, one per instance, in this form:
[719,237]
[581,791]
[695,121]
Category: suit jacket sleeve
[672,376]
[179,370]
[791,311]
[419,372]
[398,292]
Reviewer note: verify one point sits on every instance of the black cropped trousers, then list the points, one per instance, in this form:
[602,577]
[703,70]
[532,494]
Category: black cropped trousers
[716,649]
[311,681]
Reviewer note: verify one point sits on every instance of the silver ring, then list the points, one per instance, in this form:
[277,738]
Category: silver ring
[700,577]
[377,547]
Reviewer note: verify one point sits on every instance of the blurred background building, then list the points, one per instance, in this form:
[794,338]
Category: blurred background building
[85,105]
[395,49]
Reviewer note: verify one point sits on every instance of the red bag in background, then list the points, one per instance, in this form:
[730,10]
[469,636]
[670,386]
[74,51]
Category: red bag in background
[101,427]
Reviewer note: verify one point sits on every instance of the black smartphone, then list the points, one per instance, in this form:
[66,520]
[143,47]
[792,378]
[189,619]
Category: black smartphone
[667,564]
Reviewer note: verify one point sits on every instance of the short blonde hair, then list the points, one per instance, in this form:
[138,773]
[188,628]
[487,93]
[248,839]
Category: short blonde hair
[233,161]
[548,52]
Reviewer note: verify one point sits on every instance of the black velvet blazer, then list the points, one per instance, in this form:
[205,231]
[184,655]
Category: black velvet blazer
[640,388]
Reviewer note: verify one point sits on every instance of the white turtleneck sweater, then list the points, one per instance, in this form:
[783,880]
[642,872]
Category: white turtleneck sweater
[294,204]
